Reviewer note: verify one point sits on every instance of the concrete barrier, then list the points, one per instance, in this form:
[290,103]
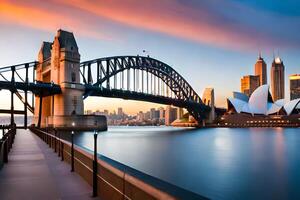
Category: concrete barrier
[115,180]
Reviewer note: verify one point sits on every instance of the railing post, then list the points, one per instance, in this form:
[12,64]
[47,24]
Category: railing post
[62,150]
[95,182]
[50,140]
[5,153]
[40,111]
[72,152]
[59,144]
[55,141]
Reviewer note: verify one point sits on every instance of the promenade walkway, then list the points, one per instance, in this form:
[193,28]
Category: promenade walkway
[35,172]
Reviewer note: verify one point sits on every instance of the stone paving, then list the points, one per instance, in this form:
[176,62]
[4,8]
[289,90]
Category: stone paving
[35,172]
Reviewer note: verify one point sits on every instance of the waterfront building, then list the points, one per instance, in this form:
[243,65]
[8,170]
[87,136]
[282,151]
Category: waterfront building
[88,112]
[249,83]
[170,115]
[152,113]
[147,115]
[120,112]
[179,113]
[277,79]
[105,112]
[140,116]
[156,114]
[294,86]
[208,99]
[161,113]
[261,70]
[261,110]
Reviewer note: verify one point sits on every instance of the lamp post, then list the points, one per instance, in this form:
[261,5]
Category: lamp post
[95,183]
[72,147]
[55,140]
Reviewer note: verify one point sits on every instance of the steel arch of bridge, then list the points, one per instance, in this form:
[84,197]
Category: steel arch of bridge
[20,78]
[111,67]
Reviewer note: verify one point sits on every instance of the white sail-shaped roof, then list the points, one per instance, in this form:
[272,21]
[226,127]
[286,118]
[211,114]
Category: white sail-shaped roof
[240,96]
[280,102]
[291,105]
[258,101]
[273,108]
[237,104]
[246,109]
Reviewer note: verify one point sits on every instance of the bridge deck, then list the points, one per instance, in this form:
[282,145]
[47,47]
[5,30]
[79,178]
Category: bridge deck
[35,172]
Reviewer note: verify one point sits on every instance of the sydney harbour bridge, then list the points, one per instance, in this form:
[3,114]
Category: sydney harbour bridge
[141,78]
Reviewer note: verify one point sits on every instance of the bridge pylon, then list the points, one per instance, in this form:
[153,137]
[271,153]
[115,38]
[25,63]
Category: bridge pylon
[59,63]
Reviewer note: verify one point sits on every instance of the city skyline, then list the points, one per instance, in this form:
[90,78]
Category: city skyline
[202,57]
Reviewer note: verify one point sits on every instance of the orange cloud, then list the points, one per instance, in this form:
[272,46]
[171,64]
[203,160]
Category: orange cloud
[166,16]
[43,19]
[170,17]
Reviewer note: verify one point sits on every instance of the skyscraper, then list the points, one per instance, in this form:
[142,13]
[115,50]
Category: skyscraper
[170,115]
[261,70]
[120,111]
[277,79]
[295,86]
[161,113]
[179,113]
[249,83]
[152,113]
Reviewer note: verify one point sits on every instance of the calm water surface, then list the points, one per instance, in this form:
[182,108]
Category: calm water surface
[221,163]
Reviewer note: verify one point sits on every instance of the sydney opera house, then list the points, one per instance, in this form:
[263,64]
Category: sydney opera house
[260,110]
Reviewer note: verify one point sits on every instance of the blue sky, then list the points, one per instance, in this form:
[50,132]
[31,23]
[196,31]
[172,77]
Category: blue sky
[212,43]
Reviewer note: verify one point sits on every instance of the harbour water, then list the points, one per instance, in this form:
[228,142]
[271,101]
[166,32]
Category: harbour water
[219,163]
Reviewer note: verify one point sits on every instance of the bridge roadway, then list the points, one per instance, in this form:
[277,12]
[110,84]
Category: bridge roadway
[35,172]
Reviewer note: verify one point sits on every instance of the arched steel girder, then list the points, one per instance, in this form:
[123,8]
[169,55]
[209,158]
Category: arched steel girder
[111,66]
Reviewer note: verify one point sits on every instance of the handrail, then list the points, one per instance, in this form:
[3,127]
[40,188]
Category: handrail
[111,172]
[6,142]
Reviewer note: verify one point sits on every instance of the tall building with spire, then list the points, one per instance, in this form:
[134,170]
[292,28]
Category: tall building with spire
[277,79]
[261,70]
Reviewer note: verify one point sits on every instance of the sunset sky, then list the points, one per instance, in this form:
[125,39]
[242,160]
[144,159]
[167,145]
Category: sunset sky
[211,43]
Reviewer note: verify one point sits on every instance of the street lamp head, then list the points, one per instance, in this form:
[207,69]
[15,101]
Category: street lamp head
[73,124]
[95,132]
[72,132]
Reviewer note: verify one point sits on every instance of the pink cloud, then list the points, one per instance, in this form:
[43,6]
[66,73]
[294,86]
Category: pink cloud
[168,17]
[44,19]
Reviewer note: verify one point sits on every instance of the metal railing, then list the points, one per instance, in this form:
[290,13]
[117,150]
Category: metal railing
[8,136]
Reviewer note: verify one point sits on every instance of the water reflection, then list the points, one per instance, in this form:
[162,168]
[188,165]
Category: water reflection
[223,163]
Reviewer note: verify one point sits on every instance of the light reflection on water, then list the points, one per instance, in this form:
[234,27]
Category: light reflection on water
[223,163]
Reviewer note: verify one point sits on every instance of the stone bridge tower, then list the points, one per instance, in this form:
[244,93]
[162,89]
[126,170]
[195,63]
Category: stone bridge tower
[59,63]
[209,100]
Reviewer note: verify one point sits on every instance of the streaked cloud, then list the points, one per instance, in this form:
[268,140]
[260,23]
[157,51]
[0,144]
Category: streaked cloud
[226,24]
[44,19]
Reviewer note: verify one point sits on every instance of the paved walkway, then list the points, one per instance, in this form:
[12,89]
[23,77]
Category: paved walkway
[35,172]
